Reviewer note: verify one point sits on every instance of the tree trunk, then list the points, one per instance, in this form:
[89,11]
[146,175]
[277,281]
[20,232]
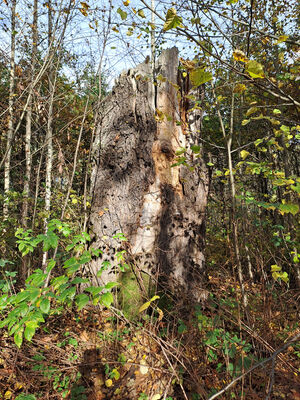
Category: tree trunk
[29,118]
[160,208]
[10,129]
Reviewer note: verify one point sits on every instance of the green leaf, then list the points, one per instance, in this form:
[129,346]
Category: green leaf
[289,208]
[30,331]
[195,148]
[21,296]
[59,281]
[85,258]
[285,129]
[296,187]
[50,241]
[33,294]
[111,285]
[255,69]
[81,301]
[86,236]
[180,151]
[68,293]
[94,290]
[45,306]
[123,14]
[172,20]
[107,299]
[198,76]
[23,396]
[18,337]
[50,266]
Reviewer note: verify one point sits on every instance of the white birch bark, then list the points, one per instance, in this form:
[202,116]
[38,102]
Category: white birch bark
[29,117]
[10,129]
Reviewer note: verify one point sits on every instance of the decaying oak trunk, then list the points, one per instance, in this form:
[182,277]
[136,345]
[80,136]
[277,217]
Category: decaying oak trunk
[159,208]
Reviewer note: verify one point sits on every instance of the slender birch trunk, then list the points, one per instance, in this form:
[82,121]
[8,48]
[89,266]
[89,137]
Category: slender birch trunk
[10,129]
[234,222]
[49,134]
[29,117]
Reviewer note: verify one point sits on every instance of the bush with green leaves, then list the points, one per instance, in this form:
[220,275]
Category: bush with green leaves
[44,294]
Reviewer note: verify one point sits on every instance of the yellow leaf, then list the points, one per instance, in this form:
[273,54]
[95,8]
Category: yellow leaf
[83,11]
[161,314]
[239,88]
[251,110]
[114,28]
[154,298]
[108,383]
[144,306]
[126,3]
[245,122]
[244,154]
[84,5]
[255,69]
[239,55]
[281,39]
[116,374]
[7,395]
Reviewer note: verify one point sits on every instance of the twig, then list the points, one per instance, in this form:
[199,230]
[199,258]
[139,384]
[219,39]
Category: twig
[271,358]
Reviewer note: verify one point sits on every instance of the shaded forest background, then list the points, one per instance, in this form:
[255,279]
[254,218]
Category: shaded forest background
[58,62]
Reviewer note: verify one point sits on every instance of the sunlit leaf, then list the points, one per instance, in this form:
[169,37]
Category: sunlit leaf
[239,55]
[289,208]
[255,69]
[198,76]
[172,20]
[108,383]
[245,122]
[107,299]
[244,154]
[251,110]
[281,39]
[141,13]
[144,306]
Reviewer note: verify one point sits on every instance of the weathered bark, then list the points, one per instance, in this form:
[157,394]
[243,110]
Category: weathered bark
[159,208]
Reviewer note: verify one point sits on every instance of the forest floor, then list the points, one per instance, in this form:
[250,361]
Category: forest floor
[98,354]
